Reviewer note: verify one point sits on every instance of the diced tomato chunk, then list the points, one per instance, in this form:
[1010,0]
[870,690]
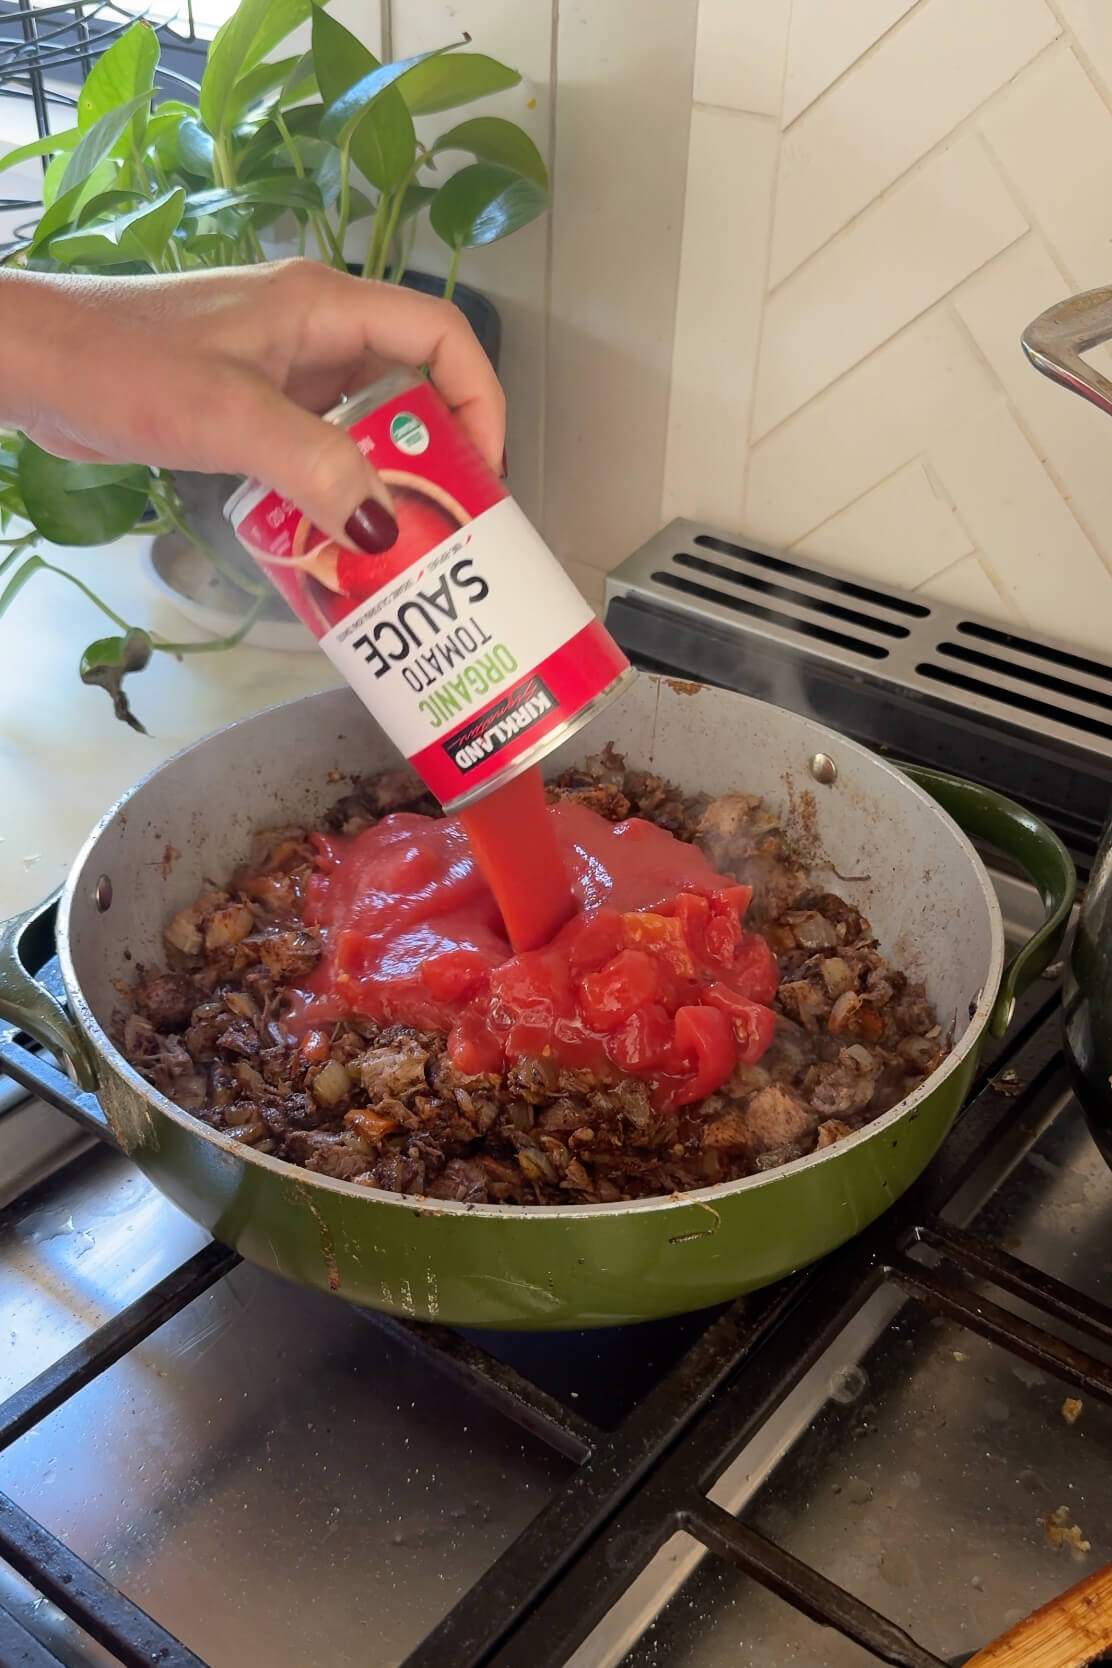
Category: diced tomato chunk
[753,1024]
[453,976]
[693,914]
[736,899]
[315,1046]
[609,997]
[351,953]
[595,940]
[704,1035]
[472,1048]
[723,939]
[369,1125]
[643,1041]
[644,926]
[533,985]
[754,971]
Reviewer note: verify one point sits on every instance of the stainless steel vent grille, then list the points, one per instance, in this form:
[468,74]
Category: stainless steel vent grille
[800,633]
[818,614]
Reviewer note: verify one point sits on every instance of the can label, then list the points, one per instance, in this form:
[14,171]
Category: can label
[466,639]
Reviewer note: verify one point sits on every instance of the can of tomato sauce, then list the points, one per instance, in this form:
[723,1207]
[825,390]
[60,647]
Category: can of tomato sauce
[466,639]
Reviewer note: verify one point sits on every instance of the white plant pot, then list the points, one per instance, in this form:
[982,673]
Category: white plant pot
[201,595]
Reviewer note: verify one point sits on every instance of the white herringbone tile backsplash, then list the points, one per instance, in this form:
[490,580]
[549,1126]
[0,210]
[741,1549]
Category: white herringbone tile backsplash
[880,195]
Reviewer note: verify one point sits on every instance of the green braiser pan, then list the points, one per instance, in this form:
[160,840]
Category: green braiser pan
[915,875]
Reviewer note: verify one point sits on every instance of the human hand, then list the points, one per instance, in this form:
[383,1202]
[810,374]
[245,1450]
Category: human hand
[224,371]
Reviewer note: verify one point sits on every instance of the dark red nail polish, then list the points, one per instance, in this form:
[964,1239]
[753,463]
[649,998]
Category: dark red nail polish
[371,528]
[505,466]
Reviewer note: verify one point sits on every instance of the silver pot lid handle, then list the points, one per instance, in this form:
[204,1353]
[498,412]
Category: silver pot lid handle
[1055,341]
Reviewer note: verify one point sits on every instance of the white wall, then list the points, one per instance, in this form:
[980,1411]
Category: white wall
[793,247]
[588,297]
[901,187]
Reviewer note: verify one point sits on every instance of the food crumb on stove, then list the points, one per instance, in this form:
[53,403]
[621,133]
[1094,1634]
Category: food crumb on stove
[960,1355]
[1061,1532]
[1071,1409]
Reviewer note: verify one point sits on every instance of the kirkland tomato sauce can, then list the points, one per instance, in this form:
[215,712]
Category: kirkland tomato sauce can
[466,639]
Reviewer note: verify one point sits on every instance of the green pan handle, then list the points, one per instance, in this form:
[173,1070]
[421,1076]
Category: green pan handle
[1039,853]
[29,1005]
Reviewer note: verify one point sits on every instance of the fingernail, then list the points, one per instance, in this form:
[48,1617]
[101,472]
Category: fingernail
[505,465]
[371,528]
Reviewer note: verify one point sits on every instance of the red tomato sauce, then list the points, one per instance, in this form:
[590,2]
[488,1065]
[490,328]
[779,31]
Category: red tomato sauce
[653,977]
[515,845]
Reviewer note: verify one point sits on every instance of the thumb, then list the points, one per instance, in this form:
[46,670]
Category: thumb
[318,466]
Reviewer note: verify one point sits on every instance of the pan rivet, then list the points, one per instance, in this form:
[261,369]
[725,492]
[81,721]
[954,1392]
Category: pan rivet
[824,770]
[102,894]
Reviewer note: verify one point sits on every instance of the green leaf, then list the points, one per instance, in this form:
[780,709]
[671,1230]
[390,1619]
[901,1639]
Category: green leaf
[52,178]
[146,233]
[344,113]
[301,81]
[284,190]
[105,203]
[106,663]
[54,142]
[360,205]
[252,31]
[325,169]
[255,84]
[33,565]
[203,244]
[492,139]
[99,140]
[416,198]
[442,83]
[339,58]
[378,133]
[268,143]
[194,148]
[126,70]
[484,202]
[80,503]
[139,234]
[63,211]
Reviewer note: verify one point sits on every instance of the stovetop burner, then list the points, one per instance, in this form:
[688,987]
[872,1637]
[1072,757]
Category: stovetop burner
[887,1458]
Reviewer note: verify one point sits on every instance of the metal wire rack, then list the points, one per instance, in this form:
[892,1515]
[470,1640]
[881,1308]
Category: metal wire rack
[46,51]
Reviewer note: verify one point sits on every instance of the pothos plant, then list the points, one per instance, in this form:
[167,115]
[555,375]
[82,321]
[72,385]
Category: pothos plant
[328,137]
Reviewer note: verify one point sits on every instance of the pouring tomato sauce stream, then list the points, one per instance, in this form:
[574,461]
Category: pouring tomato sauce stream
[533,932]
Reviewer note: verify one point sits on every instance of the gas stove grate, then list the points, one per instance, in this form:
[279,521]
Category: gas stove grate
[634,1485]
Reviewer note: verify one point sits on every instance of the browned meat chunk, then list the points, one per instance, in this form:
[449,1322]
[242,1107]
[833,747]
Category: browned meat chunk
[775,1117]
[829,1132]
[166,999]
[397,1070]
[289,955]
